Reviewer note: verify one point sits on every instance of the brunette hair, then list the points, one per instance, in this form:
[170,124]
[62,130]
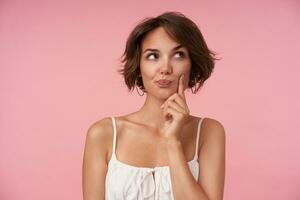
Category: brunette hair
[184,31]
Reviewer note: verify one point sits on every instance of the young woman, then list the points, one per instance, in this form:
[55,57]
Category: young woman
[158,152]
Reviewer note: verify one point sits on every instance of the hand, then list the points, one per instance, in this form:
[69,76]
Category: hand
[175,112]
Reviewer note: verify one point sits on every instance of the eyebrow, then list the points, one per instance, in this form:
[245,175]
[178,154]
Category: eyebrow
[175,48]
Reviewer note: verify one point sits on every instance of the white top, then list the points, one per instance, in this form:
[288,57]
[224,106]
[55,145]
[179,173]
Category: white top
[124,181]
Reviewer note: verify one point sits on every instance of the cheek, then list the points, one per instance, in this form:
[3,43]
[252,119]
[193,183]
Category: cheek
[148,71]
[183,68]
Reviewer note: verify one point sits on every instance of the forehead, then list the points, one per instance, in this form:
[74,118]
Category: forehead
[158,38]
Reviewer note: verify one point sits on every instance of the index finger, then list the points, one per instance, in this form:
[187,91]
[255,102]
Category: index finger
[181,86]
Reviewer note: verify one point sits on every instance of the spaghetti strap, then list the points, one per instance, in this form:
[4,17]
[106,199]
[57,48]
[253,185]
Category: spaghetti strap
[197,138]
[115,135]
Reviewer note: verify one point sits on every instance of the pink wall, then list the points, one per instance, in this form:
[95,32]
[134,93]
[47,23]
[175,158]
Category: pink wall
[58,62]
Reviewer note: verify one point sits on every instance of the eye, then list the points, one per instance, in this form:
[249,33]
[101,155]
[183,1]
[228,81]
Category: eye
[181,53]
[151,54]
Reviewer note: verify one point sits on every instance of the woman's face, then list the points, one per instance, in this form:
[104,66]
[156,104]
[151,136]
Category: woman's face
[163,58]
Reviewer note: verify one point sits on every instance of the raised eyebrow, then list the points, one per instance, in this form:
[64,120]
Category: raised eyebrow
[156,50]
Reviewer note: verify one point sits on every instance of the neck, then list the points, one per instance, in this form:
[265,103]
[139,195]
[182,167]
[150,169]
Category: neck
[150,112]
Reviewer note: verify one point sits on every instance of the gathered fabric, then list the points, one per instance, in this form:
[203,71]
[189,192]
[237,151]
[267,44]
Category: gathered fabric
[127,182]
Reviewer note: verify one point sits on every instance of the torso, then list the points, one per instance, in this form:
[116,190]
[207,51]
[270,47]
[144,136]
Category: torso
[140,145]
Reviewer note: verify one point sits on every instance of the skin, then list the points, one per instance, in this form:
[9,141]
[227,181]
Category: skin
[162,130]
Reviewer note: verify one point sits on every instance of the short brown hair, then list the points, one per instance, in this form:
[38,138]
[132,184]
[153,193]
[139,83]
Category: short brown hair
[184,31]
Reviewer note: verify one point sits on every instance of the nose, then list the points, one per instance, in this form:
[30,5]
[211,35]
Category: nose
[166,67]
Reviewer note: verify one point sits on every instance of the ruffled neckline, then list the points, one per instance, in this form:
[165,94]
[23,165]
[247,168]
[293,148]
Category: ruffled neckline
[115,159]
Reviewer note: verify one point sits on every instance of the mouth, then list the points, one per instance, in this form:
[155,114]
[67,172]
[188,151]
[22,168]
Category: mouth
[163,83]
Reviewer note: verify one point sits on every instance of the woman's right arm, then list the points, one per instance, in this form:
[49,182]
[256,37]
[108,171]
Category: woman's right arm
[94,166]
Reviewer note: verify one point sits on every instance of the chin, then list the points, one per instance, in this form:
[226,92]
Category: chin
[163,94]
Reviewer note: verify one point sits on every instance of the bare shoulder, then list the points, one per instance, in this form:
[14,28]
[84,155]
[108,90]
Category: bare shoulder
[94,166]
[100,134]
[213,124]
[212,130]
[100,129]
[212,158]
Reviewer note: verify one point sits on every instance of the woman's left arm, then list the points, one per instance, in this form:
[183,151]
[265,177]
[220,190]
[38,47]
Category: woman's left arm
[210,185]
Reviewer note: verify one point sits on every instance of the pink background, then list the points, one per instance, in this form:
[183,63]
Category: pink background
[58,62]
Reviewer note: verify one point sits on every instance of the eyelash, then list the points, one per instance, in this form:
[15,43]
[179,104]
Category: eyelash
[181,52]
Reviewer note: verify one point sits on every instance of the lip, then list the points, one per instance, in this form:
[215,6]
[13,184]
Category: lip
[163,82]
